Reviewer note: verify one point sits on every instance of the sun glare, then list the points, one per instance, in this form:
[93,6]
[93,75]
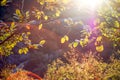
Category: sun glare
[90,4]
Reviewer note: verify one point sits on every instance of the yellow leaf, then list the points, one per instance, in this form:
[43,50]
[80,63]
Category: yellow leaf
[42,42]
[12,25]
[70,45]
[57,14]
[99,48]
[62,40]
[27,14]
[28,33]
[42,2]
[18,12]
[81,43]
[40,26]
[35,46]
[38,17]
[75,44]
[117,24]
[50,0]
[1,50]
[66,38]
[65,1]
[3,2]
[46,17]
[86,40]
[25,50]
[20,51]
[99,38]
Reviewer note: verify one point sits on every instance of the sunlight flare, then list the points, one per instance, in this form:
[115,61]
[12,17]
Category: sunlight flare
[91,4]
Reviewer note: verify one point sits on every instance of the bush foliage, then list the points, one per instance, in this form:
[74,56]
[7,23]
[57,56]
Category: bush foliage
[89,67]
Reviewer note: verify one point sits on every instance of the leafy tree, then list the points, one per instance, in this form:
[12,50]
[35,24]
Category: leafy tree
[13,33]
[106,23]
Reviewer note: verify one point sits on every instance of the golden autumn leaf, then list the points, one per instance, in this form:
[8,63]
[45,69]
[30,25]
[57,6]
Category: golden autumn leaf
[46,17]
[40,26]
[57,14]
[27,14]
[50,0]
[20,51]
[99,48]
[99,38]
[23,50]
[18,12]
[70,45]
[62,40]
[42,42]
[65,1]
[81,43]
[116,23]
[42,2]
[28,33]
[66,38]
[38,17]
[12,25]
[3,2]
[35,46]
[75,44]
[86,40]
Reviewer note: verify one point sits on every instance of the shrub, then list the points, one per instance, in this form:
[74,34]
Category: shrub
[86,67]
[6,71]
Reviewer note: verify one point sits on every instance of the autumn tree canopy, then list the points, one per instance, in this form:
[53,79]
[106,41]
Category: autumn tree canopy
[103,22]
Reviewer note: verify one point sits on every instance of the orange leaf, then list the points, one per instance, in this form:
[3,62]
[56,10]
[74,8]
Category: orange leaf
[28,26]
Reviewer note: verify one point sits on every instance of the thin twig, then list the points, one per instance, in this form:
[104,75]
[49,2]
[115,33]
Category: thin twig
[22,6]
